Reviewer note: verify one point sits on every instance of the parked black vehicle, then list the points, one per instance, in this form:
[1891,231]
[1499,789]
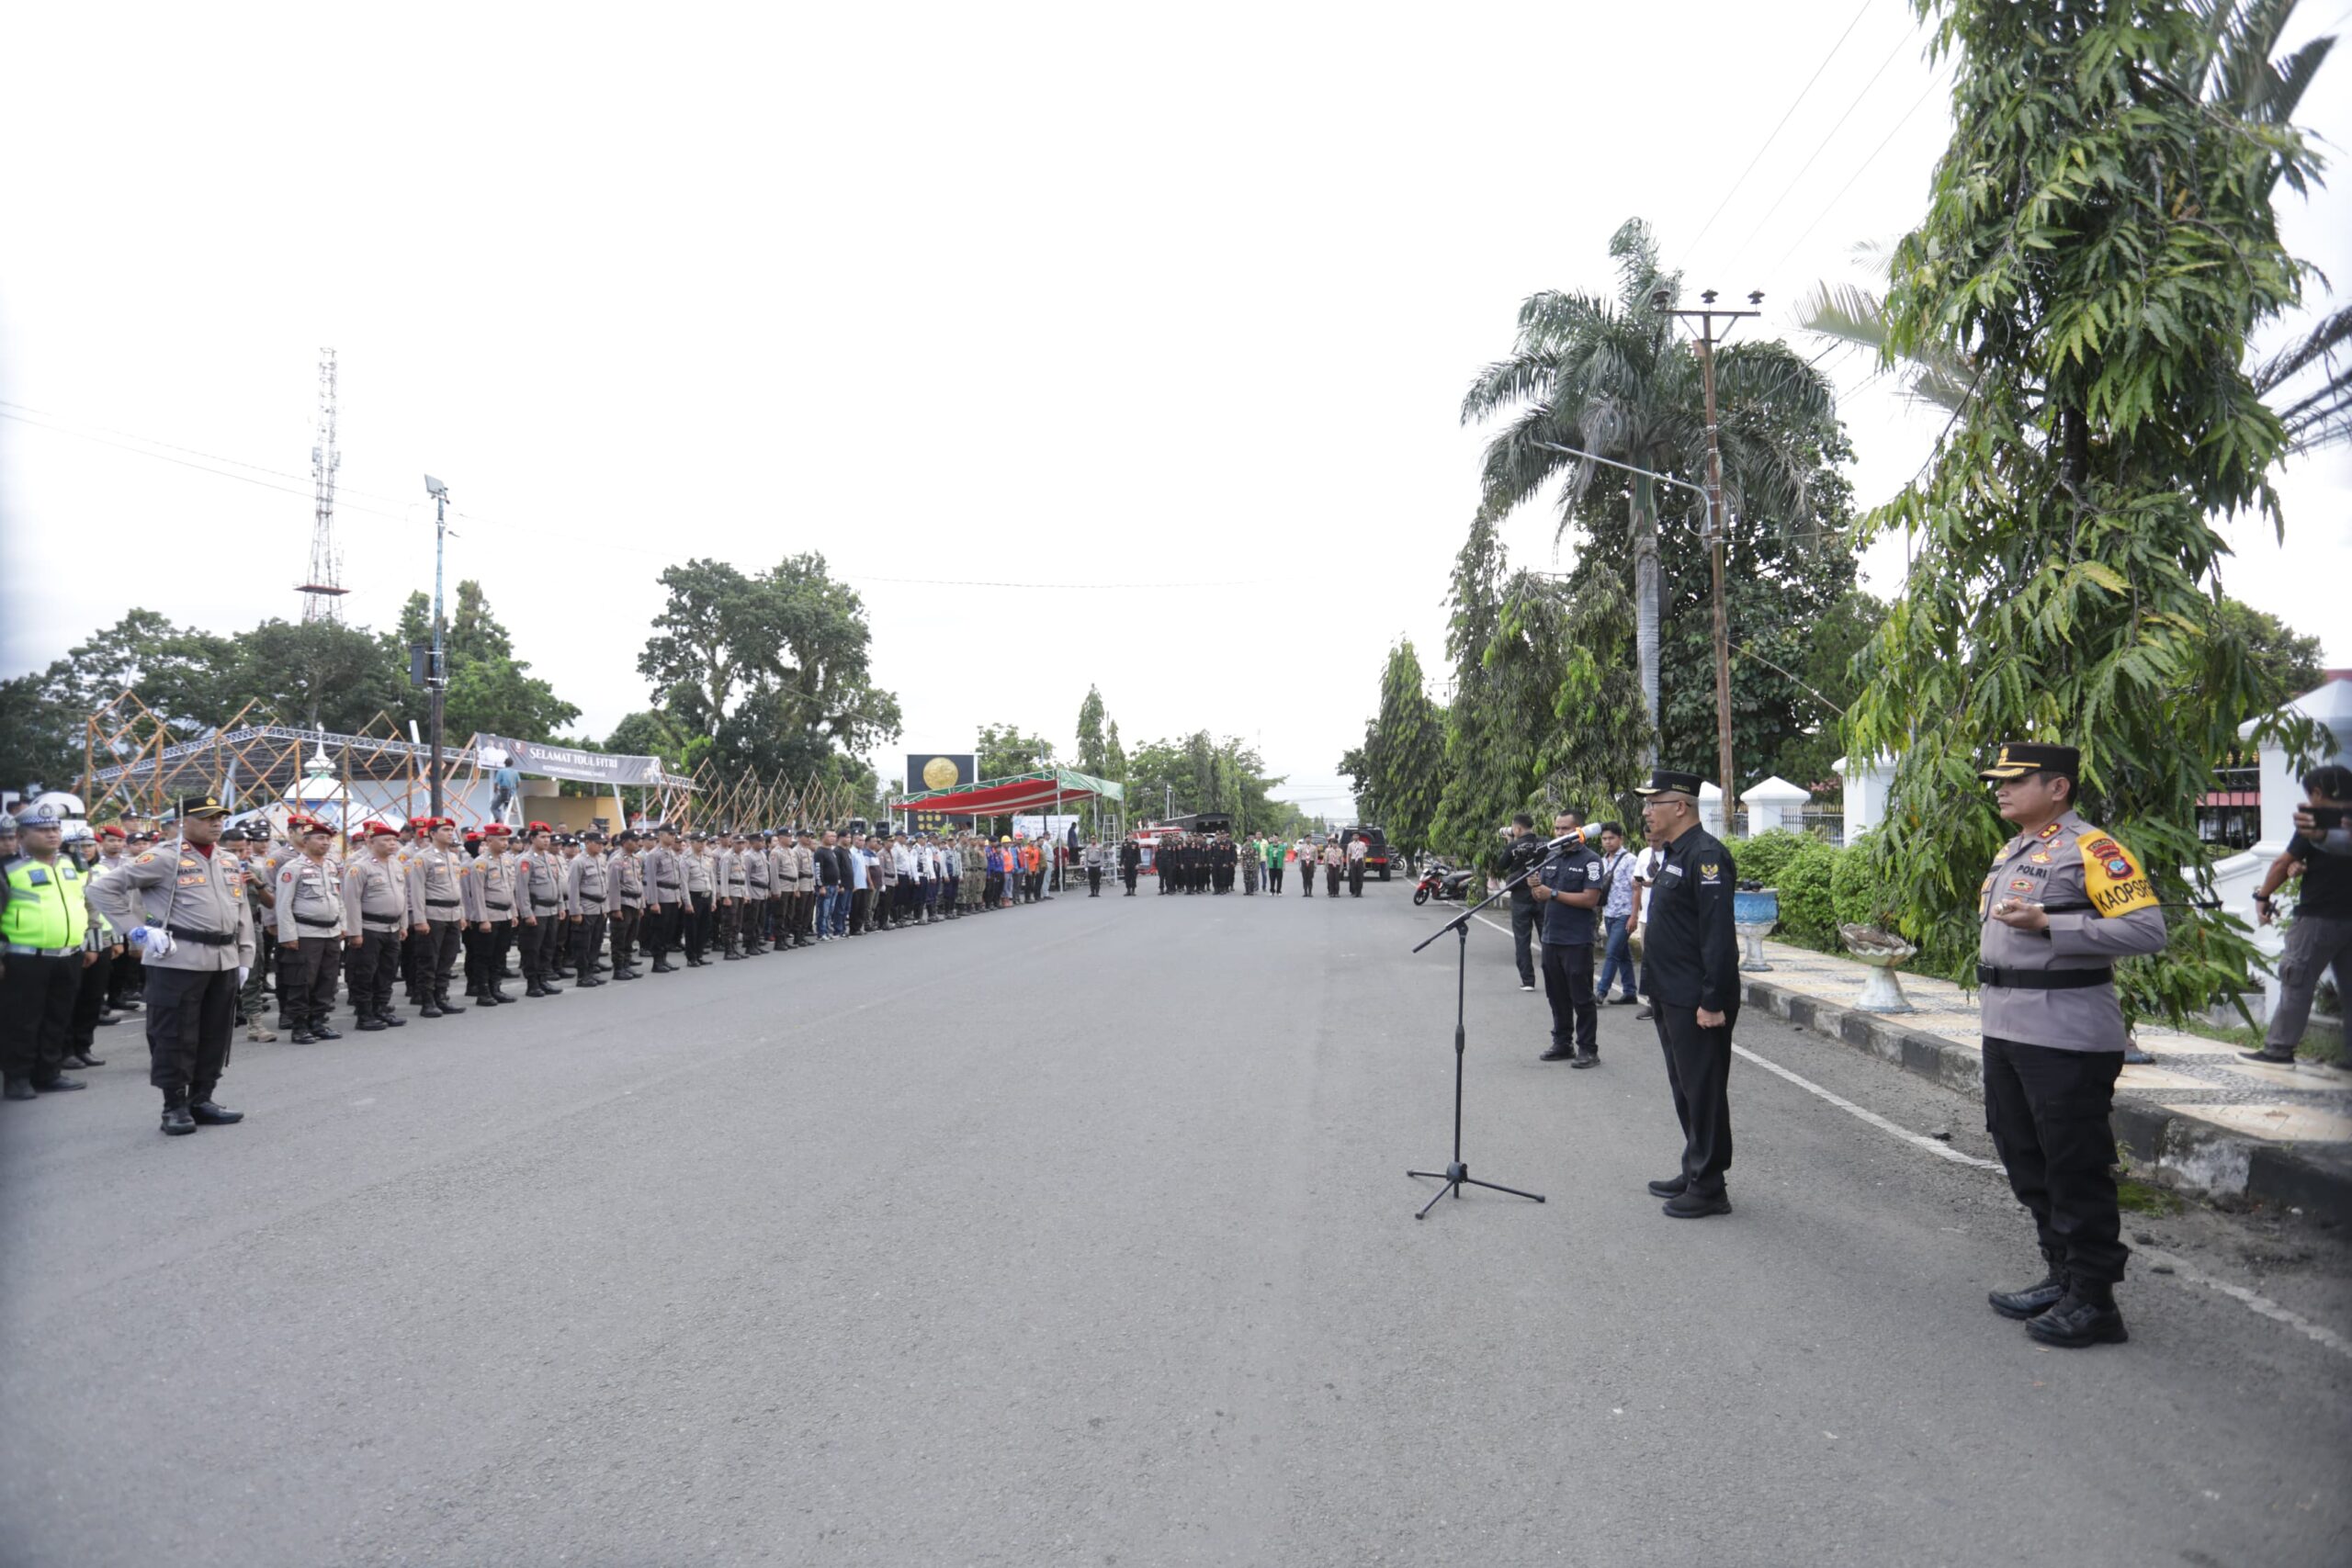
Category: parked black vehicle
[1375,857]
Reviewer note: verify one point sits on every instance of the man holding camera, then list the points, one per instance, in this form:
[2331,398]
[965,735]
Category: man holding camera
[1569,889]
[1522,849]
[1691,973]
[2321,939]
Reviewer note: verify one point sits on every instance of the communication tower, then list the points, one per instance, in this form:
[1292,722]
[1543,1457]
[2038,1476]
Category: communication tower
[322,594]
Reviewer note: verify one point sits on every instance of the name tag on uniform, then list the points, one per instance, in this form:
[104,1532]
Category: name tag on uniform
[36,878]
[1673,870]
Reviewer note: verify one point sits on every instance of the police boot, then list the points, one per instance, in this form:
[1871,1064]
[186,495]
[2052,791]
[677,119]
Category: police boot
[22,1089]
[2032,1301]
[390,1018]
[177,1120]
[497,995]
[2085,1315]
[205,1114]
[447,1005]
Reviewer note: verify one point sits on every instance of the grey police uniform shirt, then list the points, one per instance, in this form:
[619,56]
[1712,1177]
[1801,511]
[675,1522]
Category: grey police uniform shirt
[375,896]
[588,889]
[804,868]
[626,872]
[489,891]
[664,877]
[2097,915]
[435,891]
[734,876]
[538,881]
[310,900]
[698,872]
[755,873]
[171,885]
[779,871]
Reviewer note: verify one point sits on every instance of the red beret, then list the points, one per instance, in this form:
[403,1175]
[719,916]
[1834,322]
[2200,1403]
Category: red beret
[111,830]
[497,831]
[380,830]
[539,827]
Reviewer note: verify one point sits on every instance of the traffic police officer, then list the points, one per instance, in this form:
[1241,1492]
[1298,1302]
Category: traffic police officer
[1691,976]
[185,891]
[45,922]
[2063,903]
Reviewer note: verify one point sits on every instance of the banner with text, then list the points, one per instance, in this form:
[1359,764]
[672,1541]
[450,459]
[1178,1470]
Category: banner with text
[570,762]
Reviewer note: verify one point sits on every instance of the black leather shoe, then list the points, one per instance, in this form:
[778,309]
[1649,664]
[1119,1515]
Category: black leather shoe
[2077,1321]
[206,1114]
[126,1005]
[1587,1059]
[534,990]
[2029,1301]
[1689,1205]
[108,1019]
[391,1021]
[448,1006]
[501,999]
[84,1059]
[304,1037]
[665,968]
[586,982]
[371,1026]
[22,1089]
[1558,1053]
[624,973]
[1670,1188]
[430,1009]
[58,1084]
[324,1033]
[177,1120]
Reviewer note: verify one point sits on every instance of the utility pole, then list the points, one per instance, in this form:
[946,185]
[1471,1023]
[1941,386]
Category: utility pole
[1716,526]
[437,676]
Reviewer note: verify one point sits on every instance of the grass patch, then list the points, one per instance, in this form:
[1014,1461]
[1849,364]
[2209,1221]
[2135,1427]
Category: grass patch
[2135,1196]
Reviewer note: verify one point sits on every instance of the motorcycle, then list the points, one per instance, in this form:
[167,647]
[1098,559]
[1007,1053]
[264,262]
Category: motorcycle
[1444,883]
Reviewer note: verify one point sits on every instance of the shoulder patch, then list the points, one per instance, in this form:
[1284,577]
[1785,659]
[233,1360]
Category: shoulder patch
[142,860]
[2114,880]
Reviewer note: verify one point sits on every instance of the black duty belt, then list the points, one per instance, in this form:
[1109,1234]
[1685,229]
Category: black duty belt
[671,885]
[442,903]
[319,925]
[202,939]
[2044,979]
[591,898]
[501,905]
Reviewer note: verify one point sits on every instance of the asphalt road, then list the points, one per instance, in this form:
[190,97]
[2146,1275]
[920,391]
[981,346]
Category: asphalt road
[1080,1234]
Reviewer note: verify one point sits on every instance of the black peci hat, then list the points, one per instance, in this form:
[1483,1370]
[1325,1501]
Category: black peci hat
[1665,781]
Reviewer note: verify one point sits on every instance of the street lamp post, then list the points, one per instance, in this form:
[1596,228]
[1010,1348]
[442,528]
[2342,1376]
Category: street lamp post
[437,679]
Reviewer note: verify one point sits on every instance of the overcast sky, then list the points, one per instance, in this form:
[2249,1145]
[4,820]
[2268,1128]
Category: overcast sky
[1041,295]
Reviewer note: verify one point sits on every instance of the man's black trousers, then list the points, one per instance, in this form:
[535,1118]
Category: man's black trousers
[89,1001]
[587,941]
[1525,915]
[311,965]
[698,924]
[36,1008]
[191,1013]
[2046,1111]
[1568,986]
[370,969]
[1698,1063]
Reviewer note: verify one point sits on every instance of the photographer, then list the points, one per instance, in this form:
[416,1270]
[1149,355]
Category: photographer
[1520,852]
[2320,937]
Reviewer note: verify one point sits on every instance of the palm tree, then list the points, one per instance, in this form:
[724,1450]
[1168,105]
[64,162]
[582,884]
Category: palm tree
[2235,76]
[1612,377]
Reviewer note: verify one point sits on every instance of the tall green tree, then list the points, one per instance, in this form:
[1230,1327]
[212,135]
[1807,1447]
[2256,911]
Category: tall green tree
[775,667]
[1613,376]
[320,674]
[2100,243]
[1408,744]
[1005,750]
[1094,745]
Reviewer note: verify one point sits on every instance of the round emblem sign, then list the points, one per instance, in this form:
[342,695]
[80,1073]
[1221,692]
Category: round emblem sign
[939,773]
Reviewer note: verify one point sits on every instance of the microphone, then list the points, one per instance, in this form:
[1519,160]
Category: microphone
[1572,839]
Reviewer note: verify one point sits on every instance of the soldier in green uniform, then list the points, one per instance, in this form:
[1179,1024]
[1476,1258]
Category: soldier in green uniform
[2063,903]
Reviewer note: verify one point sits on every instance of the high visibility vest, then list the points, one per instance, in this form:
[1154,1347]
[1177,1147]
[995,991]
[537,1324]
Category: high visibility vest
[45,906]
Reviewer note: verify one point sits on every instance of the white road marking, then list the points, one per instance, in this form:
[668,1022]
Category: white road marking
[1917,1140]
[2252,1301]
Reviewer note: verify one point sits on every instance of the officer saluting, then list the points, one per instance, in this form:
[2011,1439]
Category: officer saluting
[186,890]
[2063,901]
[1691,976]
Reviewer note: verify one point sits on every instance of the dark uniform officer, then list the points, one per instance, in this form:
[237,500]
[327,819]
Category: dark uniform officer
[1691,976]
[188,891]
[1130,865]
[2062,902]
[1569,889]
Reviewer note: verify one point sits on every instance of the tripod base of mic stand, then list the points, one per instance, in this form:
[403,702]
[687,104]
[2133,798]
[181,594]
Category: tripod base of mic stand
[1456,1176]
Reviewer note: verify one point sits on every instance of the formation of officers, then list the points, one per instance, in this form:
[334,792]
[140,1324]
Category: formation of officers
[1218,862]
[212,918]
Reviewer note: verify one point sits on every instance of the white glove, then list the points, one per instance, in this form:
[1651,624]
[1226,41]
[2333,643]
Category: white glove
[153,940]
[243,970]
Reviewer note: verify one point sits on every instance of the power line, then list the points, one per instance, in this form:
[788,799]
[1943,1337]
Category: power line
[1933,88]
[1792,109]
[184,463]
[1829,137]
[170,447]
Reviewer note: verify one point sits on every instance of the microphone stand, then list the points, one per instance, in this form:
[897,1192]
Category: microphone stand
[1456,1175]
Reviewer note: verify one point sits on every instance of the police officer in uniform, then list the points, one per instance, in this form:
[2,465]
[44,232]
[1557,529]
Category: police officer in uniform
[45,923]
[376,919]
[757,866]
[310,910]
[588,888]
[436,913]
[626,867]
[184,890]
[1130,865]
[491,905]
[666,887]
[1691,976]
[539,898]
[701,887]
[2063,903]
